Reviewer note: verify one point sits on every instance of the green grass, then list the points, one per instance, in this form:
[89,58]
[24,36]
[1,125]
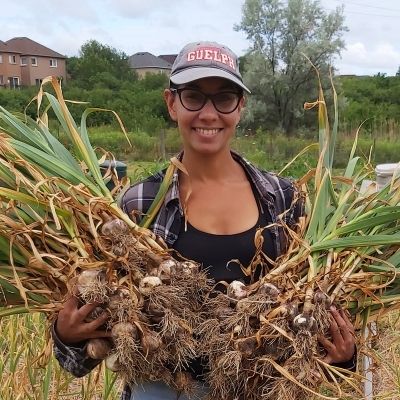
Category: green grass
[268,150]
[29,371]
[138,170]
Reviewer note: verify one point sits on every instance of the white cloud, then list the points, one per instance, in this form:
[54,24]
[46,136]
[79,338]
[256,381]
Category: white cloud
[44,12]
[143,8]
[162,27]
[133,8]
[381,57]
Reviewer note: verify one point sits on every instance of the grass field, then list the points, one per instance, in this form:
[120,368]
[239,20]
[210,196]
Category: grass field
[23,338]
[29,371]
[268,150]
[137,171]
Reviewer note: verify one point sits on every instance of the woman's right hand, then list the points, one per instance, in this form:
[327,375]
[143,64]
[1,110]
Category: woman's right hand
[71,326]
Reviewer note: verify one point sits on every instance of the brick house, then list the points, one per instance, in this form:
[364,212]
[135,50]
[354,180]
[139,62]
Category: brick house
[10,69]
[24,62]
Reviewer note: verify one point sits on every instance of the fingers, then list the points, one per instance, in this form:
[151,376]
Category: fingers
[99,321]
[99,334]
[80,313]
[71,326]
[327,344]
[347,320]
[335,330]
[85,310]
[343,325]
[342,346]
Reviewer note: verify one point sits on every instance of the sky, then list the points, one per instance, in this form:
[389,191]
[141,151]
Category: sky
[165,26]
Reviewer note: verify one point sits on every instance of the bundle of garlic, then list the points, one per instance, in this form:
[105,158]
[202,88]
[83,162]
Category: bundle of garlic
[61,232]
[151,322]
[261,340]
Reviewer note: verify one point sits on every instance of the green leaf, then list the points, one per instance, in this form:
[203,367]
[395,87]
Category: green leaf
[364,224]
[20,131]
[9,294]
[52,166]
[159,199]
[31,201]
[320,210]
[353,242]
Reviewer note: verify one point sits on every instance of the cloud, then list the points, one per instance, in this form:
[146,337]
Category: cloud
[70,45]
[46,12]
[163,27]
[371,43]
[140,8]
[57,24]
[133,8]
[382,57]
[178,22]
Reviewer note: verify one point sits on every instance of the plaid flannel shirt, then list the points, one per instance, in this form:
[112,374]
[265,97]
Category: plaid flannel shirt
[276,194]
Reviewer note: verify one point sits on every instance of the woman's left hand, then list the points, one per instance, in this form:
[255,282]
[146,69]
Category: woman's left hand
[342,347]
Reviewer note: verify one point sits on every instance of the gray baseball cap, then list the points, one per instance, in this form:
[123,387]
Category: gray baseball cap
[205,60]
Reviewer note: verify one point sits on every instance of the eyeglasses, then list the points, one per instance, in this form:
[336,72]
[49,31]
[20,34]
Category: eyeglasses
[194,100]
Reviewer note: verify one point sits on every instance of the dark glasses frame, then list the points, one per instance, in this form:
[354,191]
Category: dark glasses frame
[206,98]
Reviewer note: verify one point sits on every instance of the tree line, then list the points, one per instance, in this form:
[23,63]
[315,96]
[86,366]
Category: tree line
[290,41]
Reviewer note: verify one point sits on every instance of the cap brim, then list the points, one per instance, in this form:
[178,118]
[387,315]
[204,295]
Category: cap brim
[193,74]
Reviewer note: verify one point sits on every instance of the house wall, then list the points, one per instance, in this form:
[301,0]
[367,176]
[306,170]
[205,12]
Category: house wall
[141,72]
[25,74]
[8,69]
[32,73]
[28,74]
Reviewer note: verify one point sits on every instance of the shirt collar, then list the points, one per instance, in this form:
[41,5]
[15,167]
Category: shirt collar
[262,184]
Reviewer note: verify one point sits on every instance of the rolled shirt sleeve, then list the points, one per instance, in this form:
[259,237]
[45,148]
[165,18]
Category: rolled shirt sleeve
[74,359]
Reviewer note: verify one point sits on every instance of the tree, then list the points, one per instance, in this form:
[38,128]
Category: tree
[99,65]
[277,72]
[398,72]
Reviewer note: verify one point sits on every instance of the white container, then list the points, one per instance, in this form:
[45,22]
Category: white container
[385,172]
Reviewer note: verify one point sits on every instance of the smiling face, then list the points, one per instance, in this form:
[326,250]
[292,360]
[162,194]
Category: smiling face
[205,131]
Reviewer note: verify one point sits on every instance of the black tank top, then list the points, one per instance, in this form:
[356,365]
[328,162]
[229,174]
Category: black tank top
[214,252]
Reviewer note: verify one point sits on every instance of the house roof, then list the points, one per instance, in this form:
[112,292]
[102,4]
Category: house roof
[147,60]
[170,58]
[29,47]
[6,49]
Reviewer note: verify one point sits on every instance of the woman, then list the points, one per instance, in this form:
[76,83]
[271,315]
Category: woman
[225,200]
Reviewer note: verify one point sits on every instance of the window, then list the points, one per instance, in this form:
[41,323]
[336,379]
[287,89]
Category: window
[1,80]
[53,62]
[12,59]
[38,82]
[14,82]
[1,59]
[34,61]
[24,60]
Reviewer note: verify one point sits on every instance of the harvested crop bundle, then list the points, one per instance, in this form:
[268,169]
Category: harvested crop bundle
[261,340]
[63,233]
